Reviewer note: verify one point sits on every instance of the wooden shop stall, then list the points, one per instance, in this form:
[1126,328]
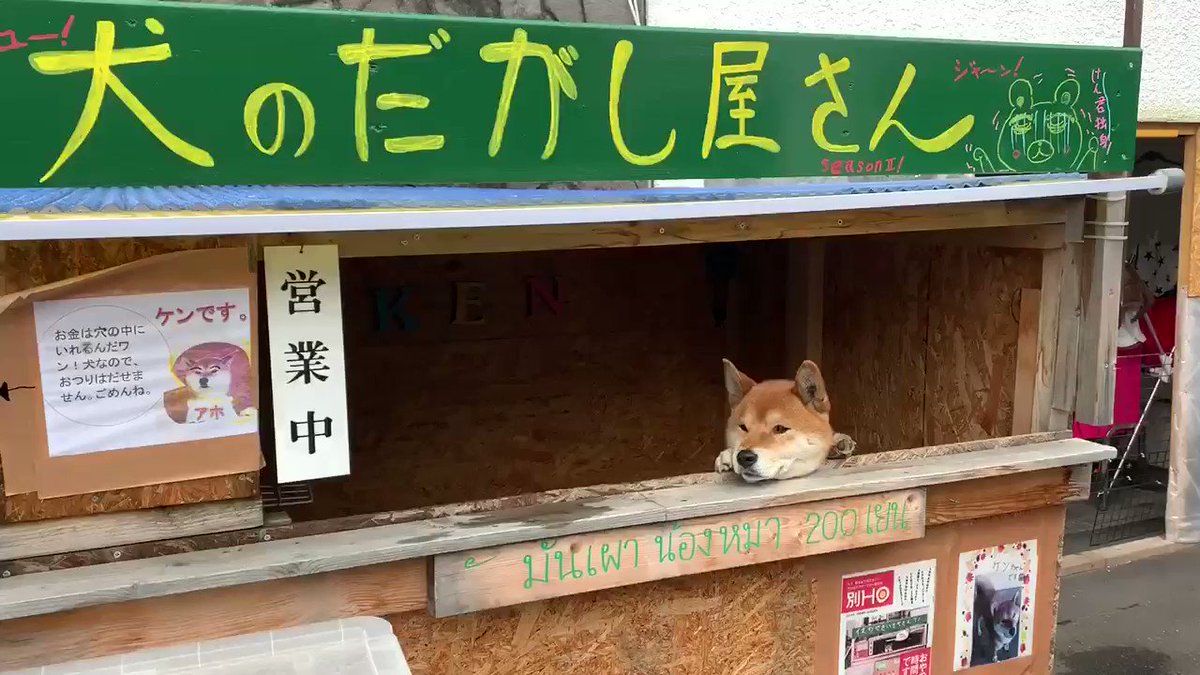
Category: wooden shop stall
[490,415]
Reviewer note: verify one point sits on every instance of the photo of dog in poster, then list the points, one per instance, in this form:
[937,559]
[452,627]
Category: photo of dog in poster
[996,600]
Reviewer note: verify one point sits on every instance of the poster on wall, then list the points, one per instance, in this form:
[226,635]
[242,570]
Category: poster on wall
[308,363]
[131,371]
[140,374]
[997,594]
[887,620]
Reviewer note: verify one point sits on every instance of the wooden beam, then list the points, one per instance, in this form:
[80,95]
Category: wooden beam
[1165,129]
[1105,235]
[962,217]
[47,592]
[1027,377]
[63,535]
[1048,236]
[805,300]
[1002,495]
[107,630]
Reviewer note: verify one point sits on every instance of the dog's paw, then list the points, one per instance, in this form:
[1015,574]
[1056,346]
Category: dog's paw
[843,447]
[724,463]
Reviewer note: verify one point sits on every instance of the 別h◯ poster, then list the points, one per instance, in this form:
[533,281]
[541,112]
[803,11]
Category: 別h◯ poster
[887,620]
[997,595]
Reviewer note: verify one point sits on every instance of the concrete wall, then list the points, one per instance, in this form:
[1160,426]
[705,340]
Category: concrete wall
[588,11]
[1171,75]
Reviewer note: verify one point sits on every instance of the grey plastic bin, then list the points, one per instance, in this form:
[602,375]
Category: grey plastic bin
[359,646]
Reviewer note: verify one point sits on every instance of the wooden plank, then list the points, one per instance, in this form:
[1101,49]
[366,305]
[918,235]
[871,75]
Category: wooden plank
[1048,236]
[27,507]
[21,540]
[805,295]
[31,594]
[1101,307]
[999,495]
[1189,251]
[1176,129]
[1070,313]
[1080,482]
[276,532]
[479,579]
[94,632]
[1028,341]
[1045,417]
[955,217]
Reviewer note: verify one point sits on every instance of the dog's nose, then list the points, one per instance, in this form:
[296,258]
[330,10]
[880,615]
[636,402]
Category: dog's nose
[204,382]
[746,457]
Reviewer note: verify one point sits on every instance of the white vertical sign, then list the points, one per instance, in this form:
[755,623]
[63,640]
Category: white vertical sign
[308,364]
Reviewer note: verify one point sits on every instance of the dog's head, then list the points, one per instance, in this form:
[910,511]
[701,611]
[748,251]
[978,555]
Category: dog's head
[777,428]
[1003,608]
[1006,619]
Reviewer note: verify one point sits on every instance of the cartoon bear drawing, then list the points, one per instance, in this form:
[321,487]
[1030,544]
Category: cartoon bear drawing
[1036,132]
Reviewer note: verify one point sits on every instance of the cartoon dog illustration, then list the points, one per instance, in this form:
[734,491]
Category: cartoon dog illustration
[779,428]
[216,381]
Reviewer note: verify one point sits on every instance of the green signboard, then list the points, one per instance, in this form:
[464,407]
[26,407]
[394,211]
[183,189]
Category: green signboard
[133,93]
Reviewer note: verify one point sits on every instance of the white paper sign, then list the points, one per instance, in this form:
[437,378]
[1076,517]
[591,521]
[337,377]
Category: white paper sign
[887,620]
[137,370]
[997,595]
[308,364]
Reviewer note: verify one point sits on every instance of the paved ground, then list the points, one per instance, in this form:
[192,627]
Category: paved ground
[1138,619]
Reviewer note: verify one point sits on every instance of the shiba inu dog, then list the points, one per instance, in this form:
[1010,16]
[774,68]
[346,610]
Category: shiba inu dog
[997,622]
[216,384]
[778,428]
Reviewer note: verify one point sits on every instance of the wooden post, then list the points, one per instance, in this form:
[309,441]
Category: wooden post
[1104,233]
[805,301]
[1133,23]
[1062,309]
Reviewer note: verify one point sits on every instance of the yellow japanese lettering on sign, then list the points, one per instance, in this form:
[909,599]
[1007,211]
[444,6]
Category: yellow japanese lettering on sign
[363,54]
[513,54]
[621,55]
[101,61]
[253,109]
[942,141]
[828,73]
[741,78]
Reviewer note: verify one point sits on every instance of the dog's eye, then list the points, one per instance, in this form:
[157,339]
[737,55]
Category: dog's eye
[743,427]
[780,429]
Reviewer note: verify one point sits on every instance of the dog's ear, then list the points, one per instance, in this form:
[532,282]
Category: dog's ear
[810,387]
[736,383]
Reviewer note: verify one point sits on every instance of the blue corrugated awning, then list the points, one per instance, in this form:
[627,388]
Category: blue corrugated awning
[315,198]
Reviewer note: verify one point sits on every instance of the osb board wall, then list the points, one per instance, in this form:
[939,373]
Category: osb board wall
[944,544]
[920,340]
[622,384]
[28,264]
[745,620]
[873,346]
